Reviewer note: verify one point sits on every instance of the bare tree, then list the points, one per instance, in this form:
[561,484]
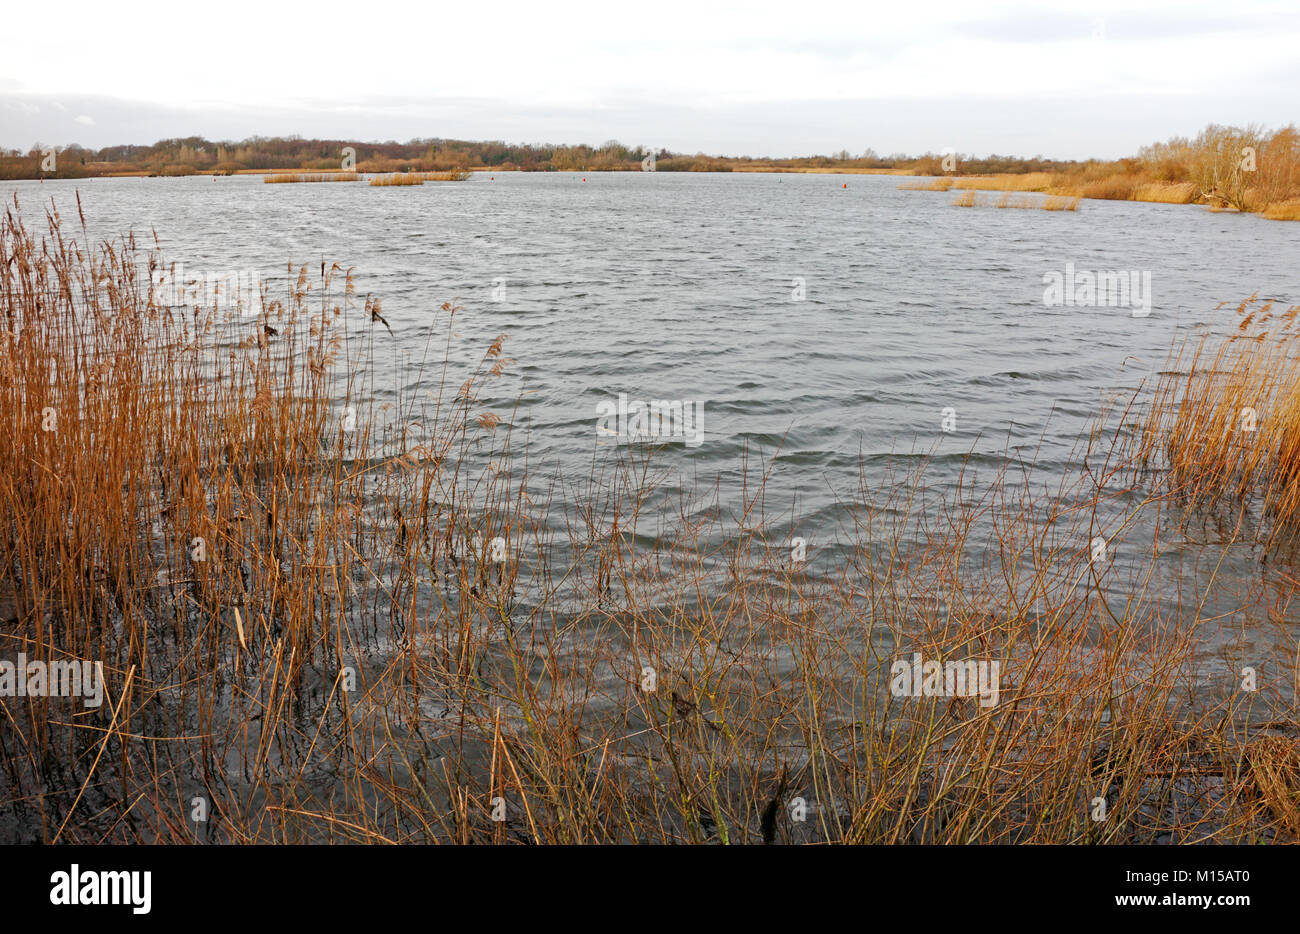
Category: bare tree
[1224,163]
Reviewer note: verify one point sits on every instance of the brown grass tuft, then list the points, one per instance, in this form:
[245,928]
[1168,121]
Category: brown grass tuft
[1031,181]
[1283,211]
[942,183]
[397,179]
[280,178]
[972,199]
[1165,193]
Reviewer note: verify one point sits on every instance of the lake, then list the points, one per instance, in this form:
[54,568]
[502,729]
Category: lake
[827,325]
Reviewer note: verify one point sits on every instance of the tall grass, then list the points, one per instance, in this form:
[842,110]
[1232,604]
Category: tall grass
[350,658]
[1112,188]
[419,178]
[972,199]
[1162,193]
[1030,181]
[280,178]
[942,183]
[397,179]
[1224,424]
[1283,211]
[1059,203]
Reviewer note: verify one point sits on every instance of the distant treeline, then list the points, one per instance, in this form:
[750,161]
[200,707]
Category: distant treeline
[1243,168]
[195,155]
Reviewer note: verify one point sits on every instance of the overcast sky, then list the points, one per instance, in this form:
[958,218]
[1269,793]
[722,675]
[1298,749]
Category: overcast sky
[1066,79]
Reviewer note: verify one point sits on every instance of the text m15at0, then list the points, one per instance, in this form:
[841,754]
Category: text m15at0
[1222,875]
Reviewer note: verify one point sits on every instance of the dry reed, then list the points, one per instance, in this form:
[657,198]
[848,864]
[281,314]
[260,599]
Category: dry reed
[419,178]
[278,178]
[942,183]
[1283,211]
[1030,181]
[455,175]
[397,179]
[972,199]
[1163,193]
[1224,424]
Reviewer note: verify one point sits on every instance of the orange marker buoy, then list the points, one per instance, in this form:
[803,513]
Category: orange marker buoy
[846,184]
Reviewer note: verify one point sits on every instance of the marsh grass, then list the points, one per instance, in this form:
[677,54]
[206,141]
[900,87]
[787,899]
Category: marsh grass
[1273,197]
[1112,188]
[973,199]
[1283,211]
[348,662]
[942,183]
[397,179]
[1165,193]
[1030,181]
[1224,424]
[281,178]
[419,178]
[454,175]
[1059,203]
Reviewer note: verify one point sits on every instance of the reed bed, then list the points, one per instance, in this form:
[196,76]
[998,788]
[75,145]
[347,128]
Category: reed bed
[1283,211]
[942,183]
[1059,203]
[1273,203]
[397,178]
[419,178]
[1224,425]
[1115,187]
[973,199]
[1164,193]
[1030,181]
[396,631]
[282,178]
[454,175]
[1112,188]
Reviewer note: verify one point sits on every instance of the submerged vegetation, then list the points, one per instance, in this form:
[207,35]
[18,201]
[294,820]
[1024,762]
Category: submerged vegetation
[332,619]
